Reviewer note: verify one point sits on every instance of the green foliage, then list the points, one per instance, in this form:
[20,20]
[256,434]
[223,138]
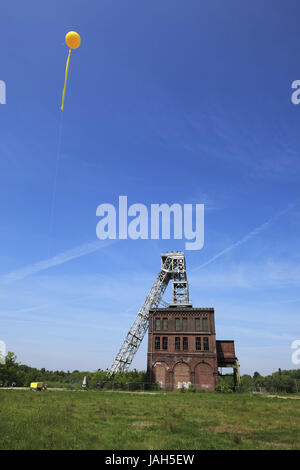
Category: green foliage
[20,374]
[246,383]
[225,384]
[286,381]
[223,387]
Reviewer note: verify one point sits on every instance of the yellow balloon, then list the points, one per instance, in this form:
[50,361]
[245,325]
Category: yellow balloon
[73,40]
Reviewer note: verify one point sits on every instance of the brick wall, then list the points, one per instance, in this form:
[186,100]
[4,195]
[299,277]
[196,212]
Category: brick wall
[173,367]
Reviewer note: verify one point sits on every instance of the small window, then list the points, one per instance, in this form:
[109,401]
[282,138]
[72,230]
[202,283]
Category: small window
[184,324]
[177,344]
[157,323]
[198,344]
[205,344]
[177,324]
[205,324]
[165,343]
[165,324]
[157,342]
[185,344]
[197,324]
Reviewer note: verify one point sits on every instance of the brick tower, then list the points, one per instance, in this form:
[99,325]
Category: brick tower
[182,346]
[183,351]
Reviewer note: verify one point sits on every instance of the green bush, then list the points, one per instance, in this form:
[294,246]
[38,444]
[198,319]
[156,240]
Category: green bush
[223,387]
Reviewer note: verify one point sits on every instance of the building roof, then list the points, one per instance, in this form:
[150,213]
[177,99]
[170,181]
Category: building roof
[177,308]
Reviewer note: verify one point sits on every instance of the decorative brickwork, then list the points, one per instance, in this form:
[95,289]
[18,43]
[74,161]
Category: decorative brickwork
[182,348]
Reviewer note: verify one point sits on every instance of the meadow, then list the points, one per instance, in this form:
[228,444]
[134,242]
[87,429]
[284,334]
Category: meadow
[154,421]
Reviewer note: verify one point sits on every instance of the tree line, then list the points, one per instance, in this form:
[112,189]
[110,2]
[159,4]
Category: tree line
[20,375]
[284,381]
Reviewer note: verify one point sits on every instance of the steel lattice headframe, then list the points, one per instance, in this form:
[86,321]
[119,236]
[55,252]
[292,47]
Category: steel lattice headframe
[172,268]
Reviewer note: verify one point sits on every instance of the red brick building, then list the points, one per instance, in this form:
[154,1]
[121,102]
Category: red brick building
[183,351]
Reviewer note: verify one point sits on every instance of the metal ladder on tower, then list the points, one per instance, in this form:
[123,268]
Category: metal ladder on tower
[173,267]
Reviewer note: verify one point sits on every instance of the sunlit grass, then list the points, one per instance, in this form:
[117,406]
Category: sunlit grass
[107,420]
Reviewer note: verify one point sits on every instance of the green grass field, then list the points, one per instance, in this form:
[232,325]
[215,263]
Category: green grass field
[162,421]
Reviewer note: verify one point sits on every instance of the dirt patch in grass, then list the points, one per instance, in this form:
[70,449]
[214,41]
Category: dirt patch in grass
[279,445]
[276,396]
[283,398]
[230,429]
[142,424]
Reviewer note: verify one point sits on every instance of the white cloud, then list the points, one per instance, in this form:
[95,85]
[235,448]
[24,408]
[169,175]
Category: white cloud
[61,258]
[246,238]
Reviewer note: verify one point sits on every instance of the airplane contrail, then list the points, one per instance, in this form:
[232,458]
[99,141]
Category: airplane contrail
[61,258]
[247,237]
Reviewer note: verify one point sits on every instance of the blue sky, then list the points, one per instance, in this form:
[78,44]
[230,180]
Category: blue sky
[167,101]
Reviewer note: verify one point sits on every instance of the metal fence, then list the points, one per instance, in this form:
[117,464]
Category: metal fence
[128,386]
[145,386]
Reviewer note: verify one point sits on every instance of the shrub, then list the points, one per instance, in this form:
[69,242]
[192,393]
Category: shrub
[223,388]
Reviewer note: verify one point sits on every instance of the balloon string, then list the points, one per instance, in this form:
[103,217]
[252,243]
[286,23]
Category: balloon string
[55,182]
[65,84]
